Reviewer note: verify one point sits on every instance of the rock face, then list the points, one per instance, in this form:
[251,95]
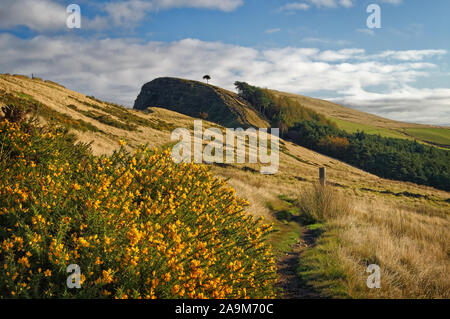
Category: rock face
[199,100]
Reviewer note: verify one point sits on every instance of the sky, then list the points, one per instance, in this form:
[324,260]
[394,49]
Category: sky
[318,48]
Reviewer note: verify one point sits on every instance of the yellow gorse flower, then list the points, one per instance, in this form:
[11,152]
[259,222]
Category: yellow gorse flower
[139,226]
[107,276]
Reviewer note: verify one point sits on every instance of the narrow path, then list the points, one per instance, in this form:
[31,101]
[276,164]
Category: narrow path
[289,281]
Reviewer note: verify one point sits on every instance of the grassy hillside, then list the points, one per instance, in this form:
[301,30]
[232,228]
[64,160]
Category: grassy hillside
[401,226]
[388,157]
[437,136]
[352,120]
[353,127]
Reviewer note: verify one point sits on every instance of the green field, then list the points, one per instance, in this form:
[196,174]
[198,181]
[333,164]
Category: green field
[440,136]
[352,127]
[435,136]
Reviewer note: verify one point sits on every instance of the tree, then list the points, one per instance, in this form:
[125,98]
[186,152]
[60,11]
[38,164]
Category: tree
[207,78]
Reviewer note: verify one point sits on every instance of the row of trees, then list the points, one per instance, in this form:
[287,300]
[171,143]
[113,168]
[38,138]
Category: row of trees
[391,158]
[282,112]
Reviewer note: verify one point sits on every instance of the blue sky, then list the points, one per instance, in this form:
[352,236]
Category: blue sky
[320,48]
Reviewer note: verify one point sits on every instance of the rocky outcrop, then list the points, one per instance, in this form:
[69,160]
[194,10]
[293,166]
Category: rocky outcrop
[199,100]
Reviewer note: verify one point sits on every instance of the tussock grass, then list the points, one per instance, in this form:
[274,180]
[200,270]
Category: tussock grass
[105,119]
[128,119]
[318,203]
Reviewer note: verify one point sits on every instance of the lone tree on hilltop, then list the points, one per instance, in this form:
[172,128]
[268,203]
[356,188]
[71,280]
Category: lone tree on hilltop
[207,78]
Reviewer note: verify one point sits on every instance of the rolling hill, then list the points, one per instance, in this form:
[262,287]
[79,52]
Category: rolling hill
[399,225]
[352,120]
[200,100]
[221,106]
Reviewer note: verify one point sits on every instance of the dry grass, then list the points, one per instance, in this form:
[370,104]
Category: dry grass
[412,249]
[319,203]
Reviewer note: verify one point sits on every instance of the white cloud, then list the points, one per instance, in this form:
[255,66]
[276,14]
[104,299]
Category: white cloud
[332,3]
[411,55]
[43,15]
[294,6]
[224,5]
[344,3]
[341,55]
[326,41]
[396,2]
[115,70]
[49,15]
[405,103]
[271,31]
[132,11]
[367,31]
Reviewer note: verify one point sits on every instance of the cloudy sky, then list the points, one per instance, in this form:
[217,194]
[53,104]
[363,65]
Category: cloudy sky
[319,48]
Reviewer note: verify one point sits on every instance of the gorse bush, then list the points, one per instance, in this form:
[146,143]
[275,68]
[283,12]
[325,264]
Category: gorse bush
[138,226]
[319,203]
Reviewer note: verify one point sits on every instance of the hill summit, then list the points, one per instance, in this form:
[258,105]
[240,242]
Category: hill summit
[200,100]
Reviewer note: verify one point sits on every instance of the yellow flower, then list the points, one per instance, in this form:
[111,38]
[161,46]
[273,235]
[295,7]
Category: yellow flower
[83,242]
[24,261]
[175,289]
[167,277]
[107,276]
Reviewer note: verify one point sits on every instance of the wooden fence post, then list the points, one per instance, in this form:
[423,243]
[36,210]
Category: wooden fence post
[322,176]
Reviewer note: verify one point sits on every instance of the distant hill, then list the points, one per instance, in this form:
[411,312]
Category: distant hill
[385,156]
[352,120]
[199,100]
[388,148]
